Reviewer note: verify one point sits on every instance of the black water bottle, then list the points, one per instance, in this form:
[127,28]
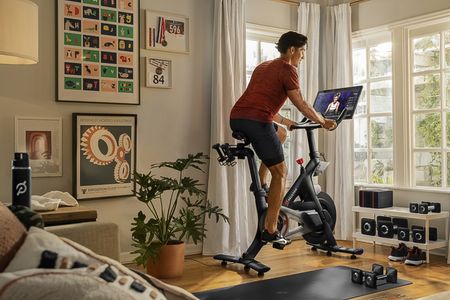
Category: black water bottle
[21,180]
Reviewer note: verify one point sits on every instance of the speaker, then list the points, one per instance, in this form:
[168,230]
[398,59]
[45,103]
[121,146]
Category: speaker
[385,229]
[368,226]
[403,234]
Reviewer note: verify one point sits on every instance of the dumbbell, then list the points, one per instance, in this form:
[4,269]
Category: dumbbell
[358,275]
[425,207]
[372,279]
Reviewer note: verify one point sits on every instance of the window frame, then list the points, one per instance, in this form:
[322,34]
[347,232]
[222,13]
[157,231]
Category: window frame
[402,95]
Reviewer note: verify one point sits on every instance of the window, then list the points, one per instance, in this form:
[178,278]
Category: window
[373,131]
[260,46]
[430,78]
[402,125]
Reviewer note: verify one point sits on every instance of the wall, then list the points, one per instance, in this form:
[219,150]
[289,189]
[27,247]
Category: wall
[374,13]
[171,122]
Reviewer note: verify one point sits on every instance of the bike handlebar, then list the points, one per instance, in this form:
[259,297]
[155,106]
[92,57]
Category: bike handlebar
[308,124]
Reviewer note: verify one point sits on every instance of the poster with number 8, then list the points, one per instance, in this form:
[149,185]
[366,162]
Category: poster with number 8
[159,73]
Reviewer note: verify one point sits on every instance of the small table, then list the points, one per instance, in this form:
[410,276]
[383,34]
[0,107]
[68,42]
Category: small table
[68,215]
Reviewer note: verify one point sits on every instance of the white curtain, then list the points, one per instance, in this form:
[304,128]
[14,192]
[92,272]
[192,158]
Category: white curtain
[309,25]
[336,70]
[228,187]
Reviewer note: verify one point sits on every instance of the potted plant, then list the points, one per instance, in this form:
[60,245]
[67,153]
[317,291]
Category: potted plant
[177,208]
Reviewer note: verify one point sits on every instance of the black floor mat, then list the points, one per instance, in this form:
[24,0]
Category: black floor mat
[325,284]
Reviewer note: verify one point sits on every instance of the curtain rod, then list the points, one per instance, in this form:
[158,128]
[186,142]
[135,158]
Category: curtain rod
[296,2]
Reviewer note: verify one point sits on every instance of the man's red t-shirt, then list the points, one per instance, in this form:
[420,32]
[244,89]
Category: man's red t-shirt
[266,92]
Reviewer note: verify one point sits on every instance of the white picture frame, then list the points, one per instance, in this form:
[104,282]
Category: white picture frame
[166,32]
[41,138]
[159,73]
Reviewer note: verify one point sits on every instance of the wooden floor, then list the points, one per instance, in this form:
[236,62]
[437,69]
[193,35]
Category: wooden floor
[204,273]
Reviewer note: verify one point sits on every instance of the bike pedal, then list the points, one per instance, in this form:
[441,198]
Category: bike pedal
[278,246]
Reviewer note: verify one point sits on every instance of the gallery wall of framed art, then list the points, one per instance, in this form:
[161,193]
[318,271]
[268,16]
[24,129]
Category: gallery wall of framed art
[98,51]
[104,154]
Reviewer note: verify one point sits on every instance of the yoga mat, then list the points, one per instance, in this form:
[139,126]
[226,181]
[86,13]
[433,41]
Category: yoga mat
[325,284]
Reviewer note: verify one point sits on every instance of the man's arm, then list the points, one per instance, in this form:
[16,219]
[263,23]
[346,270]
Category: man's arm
[308,111]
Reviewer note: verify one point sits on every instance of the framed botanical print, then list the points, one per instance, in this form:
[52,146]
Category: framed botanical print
[98,51]
[104,155]
[41,138]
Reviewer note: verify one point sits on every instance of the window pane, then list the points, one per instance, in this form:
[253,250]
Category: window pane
[251,55]
[447,48]
[382,167]
[381,132]
[360,166]
[380,62]
[447,88]
[360,132]
[427,91]
[448,169]
[428,168]
[362,103]
[428,130]
[359,65]
[268,51]
[426,53]
[447,128]
[381,96]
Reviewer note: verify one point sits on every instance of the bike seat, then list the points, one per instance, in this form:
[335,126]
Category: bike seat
[241,137]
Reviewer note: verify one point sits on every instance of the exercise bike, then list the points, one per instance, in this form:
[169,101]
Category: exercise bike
[314,211]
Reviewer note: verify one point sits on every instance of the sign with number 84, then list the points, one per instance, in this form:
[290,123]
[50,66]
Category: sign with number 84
[159,73]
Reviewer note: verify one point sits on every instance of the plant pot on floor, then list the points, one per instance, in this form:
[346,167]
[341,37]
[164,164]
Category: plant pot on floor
[169,263]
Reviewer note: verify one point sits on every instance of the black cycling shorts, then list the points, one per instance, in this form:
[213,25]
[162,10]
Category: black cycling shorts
[264,139]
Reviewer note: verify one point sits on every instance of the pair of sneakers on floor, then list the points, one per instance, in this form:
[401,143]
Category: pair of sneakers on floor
[276,237]
[414,256]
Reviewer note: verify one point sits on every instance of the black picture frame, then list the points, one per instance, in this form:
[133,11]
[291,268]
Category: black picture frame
[104,155]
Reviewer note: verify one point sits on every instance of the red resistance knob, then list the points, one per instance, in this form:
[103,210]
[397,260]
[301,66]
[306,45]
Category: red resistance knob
[300,161]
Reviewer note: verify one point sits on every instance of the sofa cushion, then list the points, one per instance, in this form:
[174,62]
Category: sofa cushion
[12,235]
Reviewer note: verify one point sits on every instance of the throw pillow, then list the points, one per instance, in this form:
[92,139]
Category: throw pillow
[12,235]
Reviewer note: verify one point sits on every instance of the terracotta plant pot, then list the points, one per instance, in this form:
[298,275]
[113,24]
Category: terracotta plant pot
[170,263]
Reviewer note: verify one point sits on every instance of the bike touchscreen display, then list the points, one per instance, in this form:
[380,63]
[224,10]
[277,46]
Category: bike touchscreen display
[331,102]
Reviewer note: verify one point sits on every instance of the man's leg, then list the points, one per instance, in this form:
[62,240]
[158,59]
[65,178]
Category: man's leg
[276,192]
[263,170]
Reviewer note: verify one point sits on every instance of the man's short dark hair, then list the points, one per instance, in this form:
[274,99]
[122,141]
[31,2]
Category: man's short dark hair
[289,39]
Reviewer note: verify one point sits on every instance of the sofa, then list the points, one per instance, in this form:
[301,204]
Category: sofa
[100,237]
[37,264]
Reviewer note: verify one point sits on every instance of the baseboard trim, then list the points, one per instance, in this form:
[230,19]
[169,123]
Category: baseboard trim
[191,249]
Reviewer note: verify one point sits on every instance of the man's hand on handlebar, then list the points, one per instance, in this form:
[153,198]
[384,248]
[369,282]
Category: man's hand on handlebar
[329,124]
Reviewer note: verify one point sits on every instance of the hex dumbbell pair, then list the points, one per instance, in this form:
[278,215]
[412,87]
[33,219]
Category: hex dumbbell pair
[373,279]
[425,207]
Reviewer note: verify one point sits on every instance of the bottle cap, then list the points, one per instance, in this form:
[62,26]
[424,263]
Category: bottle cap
[20,160]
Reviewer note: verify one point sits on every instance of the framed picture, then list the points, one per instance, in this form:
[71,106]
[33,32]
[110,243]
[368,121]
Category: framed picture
[159,73]
[98,51]
[166,32]
[41,139]
[104,155]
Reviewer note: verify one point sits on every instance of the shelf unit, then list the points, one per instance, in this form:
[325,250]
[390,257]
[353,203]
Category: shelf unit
[404,213]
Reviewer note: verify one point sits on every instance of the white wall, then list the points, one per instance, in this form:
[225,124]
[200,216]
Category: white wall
[171,122]
[374,13]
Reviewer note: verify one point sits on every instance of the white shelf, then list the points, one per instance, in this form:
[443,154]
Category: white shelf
[393,241]
[405,213]
[400,212]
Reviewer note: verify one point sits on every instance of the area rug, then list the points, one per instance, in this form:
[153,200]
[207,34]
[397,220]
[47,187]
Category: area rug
[324,284]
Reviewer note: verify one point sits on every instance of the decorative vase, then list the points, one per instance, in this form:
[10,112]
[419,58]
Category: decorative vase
[169,263]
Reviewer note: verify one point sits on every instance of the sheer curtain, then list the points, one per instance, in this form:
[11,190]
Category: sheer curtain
[336,70]
[309,25]
[228,187]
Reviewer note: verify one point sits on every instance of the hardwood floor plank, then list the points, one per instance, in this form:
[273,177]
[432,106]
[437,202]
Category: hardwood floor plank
[204,273]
